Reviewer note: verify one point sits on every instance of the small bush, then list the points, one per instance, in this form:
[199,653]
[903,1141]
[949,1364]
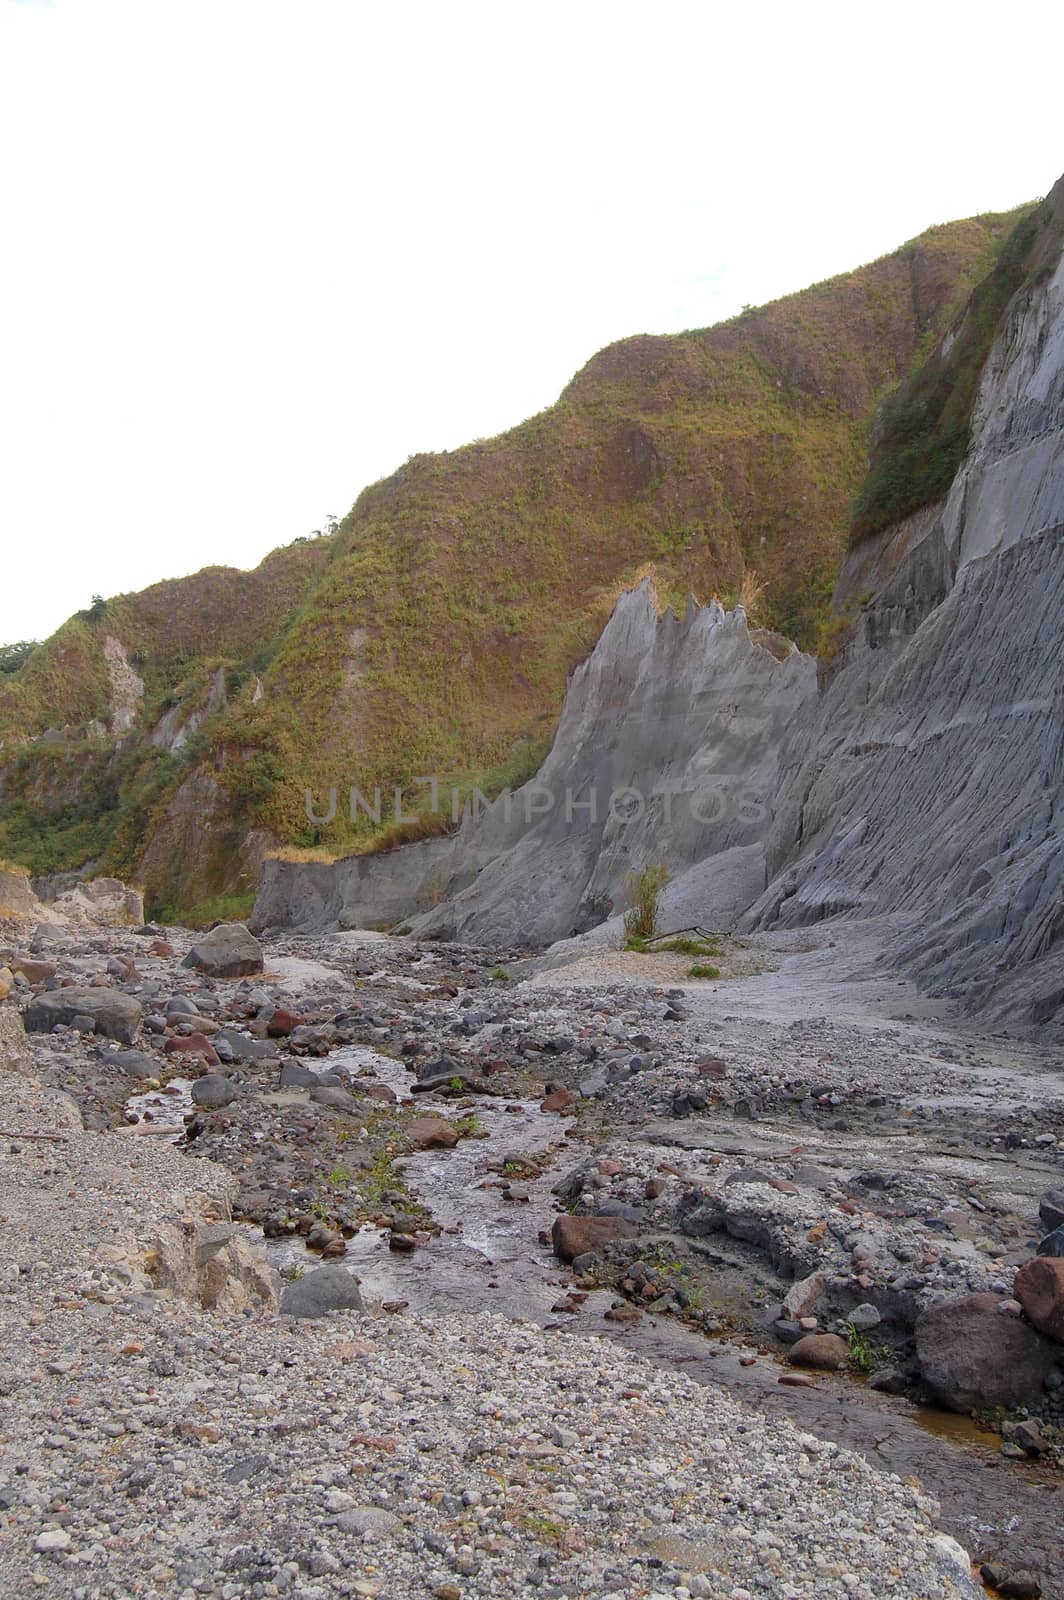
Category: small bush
[700,970]
[644,894]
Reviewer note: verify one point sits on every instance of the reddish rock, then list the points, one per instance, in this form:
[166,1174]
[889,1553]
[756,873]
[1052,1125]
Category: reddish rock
[379,1091]
[974,1358]
[622,1312]
[160,947]
[825,1351]
[608,1169]
[1039,1287]
[574,1236]
[32,971]
[653,1188]
[557,1100]
[712,1067]
[192,1044]
[282,1023]
[432,1133]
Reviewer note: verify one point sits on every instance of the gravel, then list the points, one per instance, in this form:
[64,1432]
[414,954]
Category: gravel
[153,1449]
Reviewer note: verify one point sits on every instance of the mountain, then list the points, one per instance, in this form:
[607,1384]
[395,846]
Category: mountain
[170,736]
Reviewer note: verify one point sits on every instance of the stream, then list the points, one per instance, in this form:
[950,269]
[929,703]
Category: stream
[489,1256]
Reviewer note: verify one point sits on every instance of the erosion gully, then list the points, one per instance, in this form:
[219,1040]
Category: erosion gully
[489,1255]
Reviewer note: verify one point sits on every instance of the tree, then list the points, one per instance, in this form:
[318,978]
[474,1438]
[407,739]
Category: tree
[13,656]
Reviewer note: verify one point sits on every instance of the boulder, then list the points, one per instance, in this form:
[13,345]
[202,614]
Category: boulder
[319,1292]
[1053,1244]
[212,1091]
[114,1015]
[1039,1287]
[432,1133]
[825,1351]
[32,970]
[803,1294]
[577,1236]
[228,951]
[1050,1207]
[15,1055]
[973,1358]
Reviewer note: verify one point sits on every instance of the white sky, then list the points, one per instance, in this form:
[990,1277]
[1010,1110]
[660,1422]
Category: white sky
[256,253]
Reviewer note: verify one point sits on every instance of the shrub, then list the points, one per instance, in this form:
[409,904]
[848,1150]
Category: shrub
[644,893]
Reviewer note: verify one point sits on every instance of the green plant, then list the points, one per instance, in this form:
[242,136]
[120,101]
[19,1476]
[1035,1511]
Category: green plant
[499,975]
[13,656]
[292,1273]
[701,970]
[339,1177]
[471,1127]
[644,893]
[864,1355]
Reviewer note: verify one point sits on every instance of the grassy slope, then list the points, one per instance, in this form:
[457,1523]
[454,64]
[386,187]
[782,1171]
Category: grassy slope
[474,580]
[435,630]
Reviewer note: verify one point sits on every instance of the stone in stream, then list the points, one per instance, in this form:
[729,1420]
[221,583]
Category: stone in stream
[136,1063]
[112,1014]
[228,951]
[213,1091]
[573,1236]
[1039,1287]
[319,1292]
[432,1133]
[825,1351]
[973,1358]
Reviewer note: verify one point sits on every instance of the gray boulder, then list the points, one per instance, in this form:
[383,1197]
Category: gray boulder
[213,1090]
[974,1358]
[114,1015]
[321,1291]
[228,951]
[1051,1209]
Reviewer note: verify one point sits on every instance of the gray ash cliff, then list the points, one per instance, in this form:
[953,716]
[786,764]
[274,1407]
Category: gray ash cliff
[923,786]
[666,751]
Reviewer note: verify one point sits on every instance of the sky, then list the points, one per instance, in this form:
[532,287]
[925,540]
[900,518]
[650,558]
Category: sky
[256,254]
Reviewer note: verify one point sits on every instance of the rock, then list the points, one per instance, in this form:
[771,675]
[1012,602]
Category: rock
[339,1099]
[1039,1287]
[973,1358]
[282,1023]
[865,1317]
[324,1290]
[7,982]
[1053,1243]
[577,1236]
[136,1063]
[295,1076]
[1028,1435]
[825,1351]
[114,1015]
[228,951]
[432,1133]
[52,1539]
[803,1295]
[365,1520]
[243,1048]
[192,1044]
[618,1208]
[213,1090]
[38,971]
[557,1100]
[1051,1209]
[888,1380]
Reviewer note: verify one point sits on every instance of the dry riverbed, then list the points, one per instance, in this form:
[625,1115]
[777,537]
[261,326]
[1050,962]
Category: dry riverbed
[930,1143]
